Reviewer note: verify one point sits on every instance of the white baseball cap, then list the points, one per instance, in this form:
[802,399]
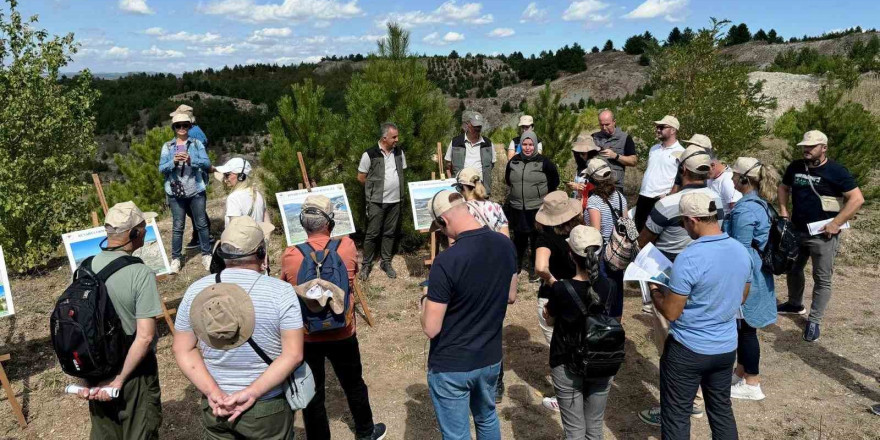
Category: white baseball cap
[236,165]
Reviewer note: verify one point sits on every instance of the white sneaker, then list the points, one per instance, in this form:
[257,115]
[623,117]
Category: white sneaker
[734,379]
[206,261]
[648,308]
[175,265]
[745,391]
[551,403]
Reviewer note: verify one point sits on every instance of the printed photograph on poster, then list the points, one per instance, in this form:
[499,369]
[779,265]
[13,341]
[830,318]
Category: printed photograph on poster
[6,307]
[86,243]
[420,194]
[290,204]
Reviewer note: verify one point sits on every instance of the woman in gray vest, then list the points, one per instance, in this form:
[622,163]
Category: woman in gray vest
[530,176]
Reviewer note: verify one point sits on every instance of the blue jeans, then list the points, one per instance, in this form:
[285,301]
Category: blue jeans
[179,207]
[454,394]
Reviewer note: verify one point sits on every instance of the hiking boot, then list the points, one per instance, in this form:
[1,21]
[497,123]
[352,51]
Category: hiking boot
[206,261]
[811,332]
[788,308]
[378,433]
[551,403]
[386,267]
[651,416]
[175,265]
[365,272]
[744,391]
[499,392]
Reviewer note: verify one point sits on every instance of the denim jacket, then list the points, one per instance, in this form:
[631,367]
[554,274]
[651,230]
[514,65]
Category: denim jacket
[198,160]
[749,223]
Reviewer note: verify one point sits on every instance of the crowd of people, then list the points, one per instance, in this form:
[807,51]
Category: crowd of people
[241,335]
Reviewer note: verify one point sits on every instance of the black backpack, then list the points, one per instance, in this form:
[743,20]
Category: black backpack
[86,332]
[783,245]
[598,349]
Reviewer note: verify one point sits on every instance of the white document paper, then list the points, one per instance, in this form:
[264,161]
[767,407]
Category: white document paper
[650,266]
[816,227]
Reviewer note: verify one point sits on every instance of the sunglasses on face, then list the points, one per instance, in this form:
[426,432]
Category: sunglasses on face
[180,126]
[662,127]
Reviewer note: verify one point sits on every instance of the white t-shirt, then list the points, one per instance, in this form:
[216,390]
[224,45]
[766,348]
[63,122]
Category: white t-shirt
[660,174]
[391,187]
[723,185]
[241,202]
[471,156]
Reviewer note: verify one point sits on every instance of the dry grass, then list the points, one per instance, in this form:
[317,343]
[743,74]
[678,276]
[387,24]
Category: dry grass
[867,93]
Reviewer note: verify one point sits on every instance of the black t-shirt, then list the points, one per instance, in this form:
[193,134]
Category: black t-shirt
[567,315]
[473,279]
[830,179]
[561,266]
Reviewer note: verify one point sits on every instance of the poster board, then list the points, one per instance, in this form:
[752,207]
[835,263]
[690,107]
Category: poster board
[420,195]
[86,243]
[6,307]
[290,205]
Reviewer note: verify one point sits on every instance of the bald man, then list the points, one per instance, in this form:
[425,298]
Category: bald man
[616,146]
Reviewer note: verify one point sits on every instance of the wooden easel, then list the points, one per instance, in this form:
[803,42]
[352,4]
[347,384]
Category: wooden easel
[440,167]
[10,394]
[359,297]
[166,312]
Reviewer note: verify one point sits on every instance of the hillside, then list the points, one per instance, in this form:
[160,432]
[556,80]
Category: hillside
[760,55]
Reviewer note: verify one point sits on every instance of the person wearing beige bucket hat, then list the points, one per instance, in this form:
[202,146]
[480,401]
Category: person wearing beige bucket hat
[821,190]
[194,132]
[583,149]
[220,320]
[337,341]
[469,288]
[660,172]
[132,290]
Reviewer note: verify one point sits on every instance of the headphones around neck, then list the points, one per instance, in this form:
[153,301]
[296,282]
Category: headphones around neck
[331,223]
[744,177]
[133,235]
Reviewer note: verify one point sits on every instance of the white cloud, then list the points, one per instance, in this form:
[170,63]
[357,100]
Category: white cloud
[274,32]
[154,31]
[451,37]
[317,39]
[221,50]
[671,10]
[501,32]
[188,37]
[587,11]
[135,7]
[155,52]
[533,15]
[359,39]
[449,13]
[288,10]
[117,53]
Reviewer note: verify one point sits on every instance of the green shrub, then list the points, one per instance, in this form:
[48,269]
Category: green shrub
[46,141]
[143,182]
[555,124]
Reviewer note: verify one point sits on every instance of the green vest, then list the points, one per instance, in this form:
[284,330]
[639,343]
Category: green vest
[374,187]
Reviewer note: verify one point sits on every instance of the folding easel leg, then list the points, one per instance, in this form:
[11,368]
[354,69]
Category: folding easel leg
[363,300]
[10,394]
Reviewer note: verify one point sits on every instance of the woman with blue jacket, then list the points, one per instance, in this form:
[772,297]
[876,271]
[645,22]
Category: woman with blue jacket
[184,163]
[749,223]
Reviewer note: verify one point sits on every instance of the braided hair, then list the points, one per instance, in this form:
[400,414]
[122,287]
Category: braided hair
[589,263]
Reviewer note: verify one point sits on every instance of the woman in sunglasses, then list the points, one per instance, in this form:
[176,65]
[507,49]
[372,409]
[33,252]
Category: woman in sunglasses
[184,163]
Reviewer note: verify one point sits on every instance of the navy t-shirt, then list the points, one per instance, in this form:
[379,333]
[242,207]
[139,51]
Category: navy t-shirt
[830,179]
[473,279]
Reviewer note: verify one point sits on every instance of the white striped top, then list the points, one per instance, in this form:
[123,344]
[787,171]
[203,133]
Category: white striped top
[276,308]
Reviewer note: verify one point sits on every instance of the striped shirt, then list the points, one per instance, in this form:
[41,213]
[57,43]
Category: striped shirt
[276,308]
[665,220]
[596,202]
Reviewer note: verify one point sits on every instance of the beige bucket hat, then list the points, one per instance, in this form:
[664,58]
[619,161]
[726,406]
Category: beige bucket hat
[557,209]
[222,316]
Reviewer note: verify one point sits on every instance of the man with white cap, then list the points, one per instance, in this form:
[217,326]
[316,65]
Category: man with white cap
[137,412]
[472,150]
[720,176]
[708,283]
[340,345]
[244,198]
[221,322]
[821,190]
[469,288]
[526,123]
[662,166]
[616,145]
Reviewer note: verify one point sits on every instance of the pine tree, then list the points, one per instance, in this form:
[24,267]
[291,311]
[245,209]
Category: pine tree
[674,37]
[608,47]
[556,124]
[594,50]
[760,36]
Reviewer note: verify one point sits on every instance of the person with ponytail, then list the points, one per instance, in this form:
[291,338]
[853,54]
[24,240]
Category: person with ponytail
[244,199]
[488,213]
[581,400]
[749,224]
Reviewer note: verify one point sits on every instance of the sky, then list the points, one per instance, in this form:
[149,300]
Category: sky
[180,35]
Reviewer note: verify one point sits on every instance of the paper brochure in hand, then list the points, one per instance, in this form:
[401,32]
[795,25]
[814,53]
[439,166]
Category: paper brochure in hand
[649,266]
[817,228]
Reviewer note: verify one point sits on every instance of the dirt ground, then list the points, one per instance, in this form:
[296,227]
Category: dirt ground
[824,387]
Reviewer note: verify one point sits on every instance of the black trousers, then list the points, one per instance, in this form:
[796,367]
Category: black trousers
[383,221]
[748,351]
[345,357]
[644,205]
[523,242]
[682,371]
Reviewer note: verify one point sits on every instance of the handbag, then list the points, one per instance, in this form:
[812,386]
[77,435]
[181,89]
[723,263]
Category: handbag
[829,203]
[299,387]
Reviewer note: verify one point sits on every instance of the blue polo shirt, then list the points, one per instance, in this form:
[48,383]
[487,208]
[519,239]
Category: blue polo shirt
[473,279]
[712,272]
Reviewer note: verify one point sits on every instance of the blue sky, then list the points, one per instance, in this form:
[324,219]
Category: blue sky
[180,35]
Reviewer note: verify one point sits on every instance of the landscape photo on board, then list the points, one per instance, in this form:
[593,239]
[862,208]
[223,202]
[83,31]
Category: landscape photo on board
[291,202]
[86,243]
[6,307]
[420,194]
